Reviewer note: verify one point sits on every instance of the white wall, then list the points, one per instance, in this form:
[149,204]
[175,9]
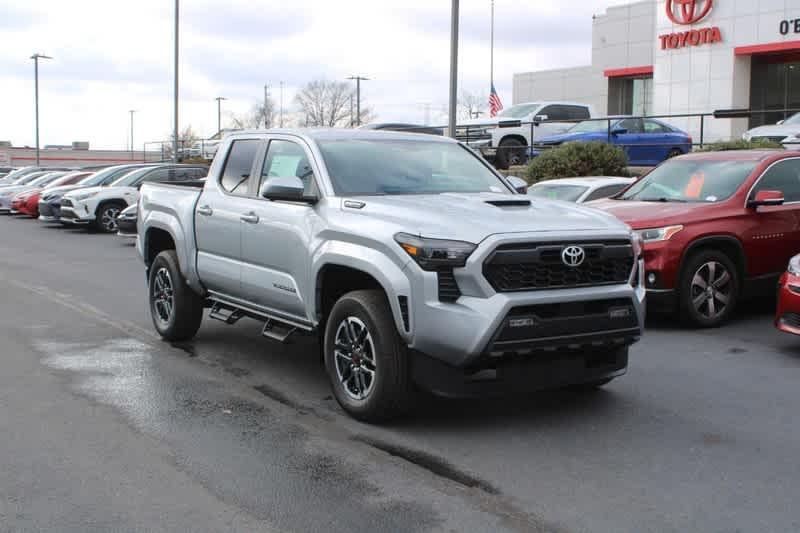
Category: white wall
[572,85]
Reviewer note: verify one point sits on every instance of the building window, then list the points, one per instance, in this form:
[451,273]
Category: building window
[774,87]
[630,96]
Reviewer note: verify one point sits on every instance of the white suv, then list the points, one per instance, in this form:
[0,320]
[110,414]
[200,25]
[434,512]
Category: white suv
[508,136]
[99,207]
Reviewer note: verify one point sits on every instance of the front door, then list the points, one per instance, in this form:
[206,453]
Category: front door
[276,240]
[773,234]
[218,223]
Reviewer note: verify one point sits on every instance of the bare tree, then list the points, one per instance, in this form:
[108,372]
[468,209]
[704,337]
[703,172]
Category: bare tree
[330,104]
[472,105]
[261,115]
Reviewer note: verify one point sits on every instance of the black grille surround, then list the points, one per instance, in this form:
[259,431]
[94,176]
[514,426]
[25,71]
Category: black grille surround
[791,320]
[66,202]
[539,266]
[769,138]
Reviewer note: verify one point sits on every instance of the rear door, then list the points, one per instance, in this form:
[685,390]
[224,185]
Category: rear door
[773,233]
[276,240]
[218,223]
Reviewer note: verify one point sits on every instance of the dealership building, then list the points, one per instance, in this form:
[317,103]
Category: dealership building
[679,57]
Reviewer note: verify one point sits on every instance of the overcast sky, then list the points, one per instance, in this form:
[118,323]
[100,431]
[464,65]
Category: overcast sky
[113,56]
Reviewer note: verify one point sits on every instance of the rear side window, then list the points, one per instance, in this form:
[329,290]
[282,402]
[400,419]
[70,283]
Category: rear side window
[556,112]
[239,163]
[158,175]
[651,126]
[576,112]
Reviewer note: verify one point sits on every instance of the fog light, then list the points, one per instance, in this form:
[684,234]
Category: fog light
[651,279]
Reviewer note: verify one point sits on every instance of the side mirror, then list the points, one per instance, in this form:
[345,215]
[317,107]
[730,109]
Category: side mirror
[780,123]
[519,184]
[619,131]
[288,189]
[538,119]
[766,198]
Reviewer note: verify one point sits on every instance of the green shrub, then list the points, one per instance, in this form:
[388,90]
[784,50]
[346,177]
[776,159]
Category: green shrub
[578,159]
[740,144]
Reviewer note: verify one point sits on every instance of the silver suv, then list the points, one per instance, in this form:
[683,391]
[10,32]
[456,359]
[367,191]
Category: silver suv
[415,262]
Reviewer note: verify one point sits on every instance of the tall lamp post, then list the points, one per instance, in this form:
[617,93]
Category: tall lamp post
[451,122]
[358,80]
[219,100]
[36,57]
[175,103]
[132,111]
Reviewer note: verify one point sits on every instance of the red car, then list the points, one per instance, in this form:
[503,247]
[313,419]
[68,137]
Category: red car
[716,226]
[787,317]
[27,202]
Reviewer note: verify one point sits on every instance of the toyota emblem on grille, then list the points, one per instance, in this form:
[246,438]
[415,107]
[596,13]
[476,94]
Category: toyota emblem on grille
[573,256]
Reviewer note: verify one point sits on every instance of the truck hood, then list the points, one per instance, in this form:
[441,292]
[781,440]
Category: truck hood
[486,121]
[644,215]
[473,217]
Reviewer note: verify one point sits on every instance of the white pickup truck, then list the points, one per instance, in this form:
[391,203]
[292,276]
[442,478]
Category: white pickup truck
[507,137]
[414,260]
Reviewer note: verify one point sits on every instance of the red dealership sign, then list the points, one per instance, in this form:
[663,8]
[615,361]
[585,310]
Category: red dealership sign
[686,13]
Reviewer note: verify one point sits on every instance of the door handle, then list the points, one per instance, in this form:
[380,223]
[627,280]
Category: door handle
[205,211]
[250,218]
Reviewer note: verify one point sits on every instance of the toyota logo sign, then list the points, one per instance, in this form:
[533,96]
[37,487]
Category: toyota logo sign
[688,12]
[573,256]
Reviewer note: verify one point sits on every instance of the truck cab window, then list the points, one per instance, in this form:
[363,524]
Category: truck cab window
[286,159]
[236,175]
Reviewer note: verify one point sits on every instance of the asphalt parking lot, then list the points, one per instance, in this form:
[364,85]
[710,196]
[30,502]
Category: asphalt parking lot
[108,427]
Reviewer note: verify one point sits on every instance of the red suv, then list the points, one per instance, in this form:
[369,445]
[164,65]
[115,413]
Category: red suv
[716,226]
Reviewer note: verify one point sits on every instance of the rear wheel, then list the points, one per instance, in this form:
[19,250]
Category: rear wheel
[366,361]
[175,308]
[106,218]
[675,152]
[709,289]
[510,152]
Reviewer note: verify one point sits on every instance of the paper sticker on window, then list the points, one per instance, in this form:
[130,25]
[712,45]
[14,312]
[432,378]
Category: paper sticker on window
[695,186]
[711,198]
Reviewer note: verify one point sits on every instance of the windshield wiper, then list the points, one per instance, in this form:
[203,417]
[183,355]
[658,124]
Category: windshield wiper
[663,199]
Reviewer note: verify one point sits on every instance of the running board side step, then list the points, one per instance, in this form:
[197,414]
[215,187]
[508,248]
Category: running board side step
[226,314]
[279,331]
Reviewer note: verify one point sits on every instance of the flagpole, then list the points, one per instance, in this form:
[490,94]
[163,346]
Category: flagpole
[491,52]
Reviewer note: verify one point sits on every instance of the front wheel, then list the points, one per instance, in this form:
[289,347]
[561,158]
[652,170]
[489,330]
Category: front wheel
[175,308]
[366,361]
[510,152]
[106,218]
[709,289]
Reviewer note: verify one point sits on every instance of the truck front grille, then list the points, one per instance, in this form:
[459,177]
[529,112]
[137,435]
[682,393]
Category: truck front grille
[66,202]
[538,266]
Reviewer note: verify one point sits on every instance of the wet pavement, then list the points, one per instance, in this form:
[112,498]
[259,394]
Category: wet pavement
[109,427]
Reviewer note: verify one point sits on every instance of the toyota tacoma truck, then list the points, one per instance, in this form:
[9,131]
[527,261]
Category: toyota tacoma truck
[415,262]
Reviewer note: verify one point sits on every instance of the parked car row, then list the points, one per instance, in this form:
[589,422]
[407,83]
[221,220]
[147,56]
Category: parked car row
[87,198]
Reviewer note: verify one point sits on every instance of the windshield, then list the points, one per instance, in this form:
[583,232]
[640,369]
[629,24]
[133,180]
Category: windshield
[519,111]
[105,176]
[131,177]
[388,167]
[691,181]
[566,193]
[591,126]
[794,119]
[47,178]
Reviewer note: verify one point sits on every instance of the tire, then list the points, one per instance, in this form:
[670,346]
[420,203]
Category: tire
[379,389]
[675,152]
[591,385]
[106,218]
[510,152]
[704,303]
[176,310]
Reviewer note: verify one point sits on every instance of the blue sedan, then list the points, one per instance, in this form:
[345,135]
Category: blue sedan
[646,141]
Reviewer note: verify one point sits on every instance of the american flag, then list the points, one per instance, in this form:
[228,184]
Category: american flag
[495,105]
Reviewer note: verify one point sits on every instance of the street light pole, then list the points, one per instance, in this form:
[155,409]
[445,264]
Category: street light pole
[177,50]
[266,106]
[219,100]
[451,122]
[36,57]
[132,111]
[358,80]
[281,104]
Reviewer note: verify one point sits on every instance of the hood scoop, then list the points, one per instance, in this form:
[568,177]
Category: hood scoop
[509,203]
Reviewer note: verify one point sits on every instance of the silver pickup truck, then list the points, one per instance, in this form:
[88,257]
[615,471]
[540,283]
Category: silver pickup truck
[415,262]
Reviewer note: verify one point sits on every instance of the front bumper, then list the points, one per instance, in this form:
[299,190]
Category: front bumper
[77,213]
[466,332]
[787,315]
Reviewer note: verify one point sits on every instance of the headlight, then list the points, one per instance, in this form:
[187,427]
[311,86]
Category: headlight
[794,265]
[82,197]
[487,131]
[433,253]
[659,234]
